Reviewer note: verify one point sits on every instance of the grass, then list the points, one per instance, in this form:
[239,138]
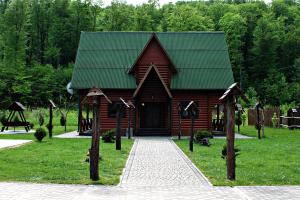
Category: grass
[31,116]
[59,160]
[62,161]
[273,160]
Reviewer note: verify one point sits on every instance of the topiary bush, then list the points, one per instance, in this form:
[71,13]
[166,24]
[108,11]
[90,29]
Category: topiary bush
[109,136]
[201,134]
[39,134]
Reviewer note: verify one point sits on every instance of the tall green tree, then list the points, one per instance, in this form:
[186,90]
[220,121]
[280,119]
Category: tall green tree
[14,35]
[267,39]
[118,17]
[235,28]
[187,18]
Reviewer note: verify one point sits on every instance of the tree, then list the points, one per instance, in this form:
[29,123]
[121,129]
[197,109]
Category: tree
[275,94]
[235,28]
[118,17]
[187,18]
[60,49]
[38,31]
[14,35]
[267,39]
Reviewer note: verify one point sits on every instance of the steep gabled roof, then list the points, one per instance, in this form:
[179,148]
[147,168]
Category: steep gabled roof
[105,58]
[154,37]
[152,67]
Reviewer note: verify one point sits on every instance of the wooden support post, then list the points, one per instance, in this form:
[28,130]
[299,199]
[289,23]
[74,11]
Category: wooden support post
[258,123]
[230,138]
[94,151]
[50,120]
[170,115]
[240,120]
[179,113]
[218,113]
[180,130]
[192,134]
[79,114]
[129,123]
[118,129]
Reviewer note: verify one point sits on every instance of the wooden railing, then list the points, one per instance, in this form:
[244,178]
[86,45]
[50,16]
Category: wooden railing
[217,125]
[85,125]
[289,122]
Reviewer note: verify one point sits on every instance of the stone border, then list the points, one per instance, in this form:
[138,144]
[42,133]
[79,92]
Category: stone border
[127,168]
[198,173]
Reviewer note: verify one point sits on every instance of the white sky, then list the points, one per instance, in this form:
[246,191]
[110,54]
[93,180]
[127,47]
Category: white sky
[161,2]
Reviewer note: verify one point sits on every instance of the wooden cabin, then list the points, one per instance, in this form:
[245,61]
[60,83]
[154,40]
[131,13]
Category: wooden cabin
[158,72]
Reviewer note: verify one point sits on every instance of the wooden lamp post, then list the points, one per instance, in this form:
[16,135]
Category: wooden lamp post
[50,125]
[129,105]
[259,119]
[179,113]
[94,95]
[229,99]
[192,112]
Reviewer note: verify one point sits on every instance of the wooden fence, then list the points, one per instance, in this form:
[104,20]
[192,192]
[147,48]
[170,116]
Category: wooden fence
[268,114]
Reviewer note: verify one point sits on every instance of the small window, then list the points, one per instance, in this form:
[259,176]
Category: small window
[112,110]
[184,114]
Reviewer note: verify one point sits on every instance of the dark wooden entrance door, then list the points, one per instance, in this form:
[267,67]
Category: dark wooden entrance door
[153,115]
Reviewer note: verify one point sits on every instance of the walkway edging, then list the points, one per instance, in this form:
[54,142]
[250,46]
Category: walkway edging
[191,164]
[126,169]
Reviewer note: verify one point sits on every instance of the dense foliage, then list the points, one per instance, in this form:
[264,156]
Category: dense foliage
[39,39]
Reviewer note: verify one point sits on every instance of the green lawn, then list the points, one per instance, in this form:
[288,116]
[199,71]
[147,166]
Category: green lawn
[61,161]
[31,116]
[274,160]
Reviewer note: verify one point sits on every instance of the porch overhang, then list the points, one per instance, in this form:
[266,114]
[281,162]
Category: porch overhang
[152,67]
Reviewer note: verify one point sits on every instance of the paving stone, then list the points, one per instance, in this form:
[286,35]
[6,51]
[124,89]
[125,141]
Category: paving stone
[156,170]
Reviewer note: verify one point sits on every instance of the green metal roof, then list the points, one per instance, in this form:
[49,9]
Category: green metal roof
[104,58]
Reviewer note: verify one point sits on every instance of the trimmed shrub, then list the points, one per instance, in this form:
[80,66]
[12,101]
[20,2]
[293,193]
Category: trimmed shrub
[39,134]
[201,134]
[108,136]
[244,118]
[275,120]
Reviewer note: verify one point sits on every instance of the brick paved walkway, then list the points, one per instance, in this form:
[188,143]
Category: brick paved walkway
[156,169]
[159,162]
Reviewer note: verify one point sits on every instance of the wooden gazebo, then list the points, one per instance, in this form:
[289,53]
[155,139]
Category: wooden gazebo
[13,108]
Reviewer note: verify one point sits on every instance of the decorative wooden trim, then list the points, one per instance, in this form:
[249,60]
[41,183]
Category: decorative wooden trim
[173,66]
[145,77]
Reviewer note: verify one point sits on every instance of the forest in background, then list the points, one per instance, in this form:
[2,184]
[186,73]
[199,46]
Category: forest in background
[39,39]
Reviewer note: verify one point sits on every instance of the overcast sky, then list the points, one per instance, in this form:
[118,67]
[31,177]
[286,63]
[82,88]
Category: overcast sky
[161,2]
